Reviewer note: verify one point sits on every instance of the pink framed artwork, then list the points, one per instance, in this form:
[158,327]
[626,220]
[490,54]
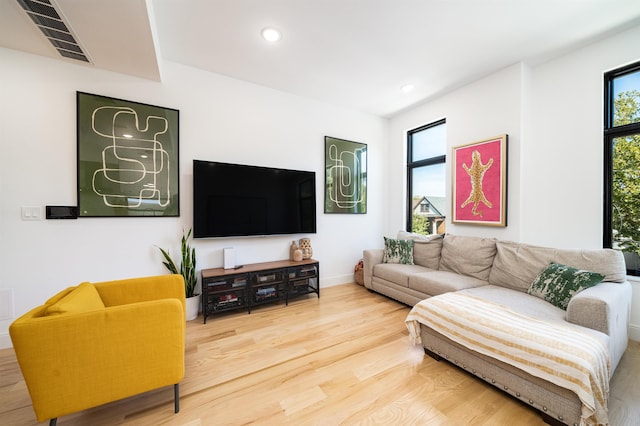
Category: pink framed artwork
[479,183]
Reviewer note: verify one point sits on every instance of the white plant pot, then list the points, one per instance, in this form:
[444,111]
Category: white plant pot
[193,304]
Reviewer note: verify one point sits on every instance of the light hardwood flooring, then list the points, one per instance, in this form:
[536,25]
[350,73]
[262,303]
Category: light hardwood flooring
[342,359]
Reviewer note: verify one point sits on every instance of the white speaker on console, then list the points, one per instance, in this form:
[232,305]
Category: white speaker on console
[229,257]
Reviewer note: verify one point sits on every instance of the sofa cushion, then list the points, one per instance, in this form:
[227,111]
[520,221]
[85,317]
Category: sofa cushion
[557,283]
[516,265]
[396,273]
[404,235]
[398,251]
[83,298]
[427,253]
[434,283]
[520,302]
[53,299]
[471,256]
[607,262]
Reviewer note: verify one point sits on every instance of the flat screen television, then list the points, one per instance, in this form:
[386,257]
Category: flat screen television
[231,200]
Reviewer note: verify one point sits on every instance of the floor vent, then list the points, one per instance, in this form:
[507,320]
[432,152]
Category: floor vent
[48,20]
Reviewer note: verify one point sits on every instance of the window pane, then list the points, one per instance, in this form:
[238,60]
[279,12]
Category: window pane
[429,204]
[429,180]
[626,99]
[428,143]
[625,191]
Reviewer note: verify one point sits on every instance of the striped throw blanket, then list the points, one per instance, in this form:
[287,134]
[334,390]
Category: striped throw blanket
[562,355]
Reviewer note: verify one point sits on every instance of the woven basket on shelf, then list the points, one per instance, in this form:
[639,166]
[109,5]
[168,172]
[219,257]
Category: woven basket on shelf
[358,276]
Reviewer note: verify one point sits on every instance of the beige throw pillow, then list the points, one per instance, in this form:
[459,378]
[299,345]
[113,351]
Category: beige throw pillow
[471,256]
[427,253]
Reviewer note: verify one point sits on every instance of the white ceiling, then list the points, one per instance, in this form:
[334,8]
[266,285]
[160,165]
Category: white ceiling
[355,53]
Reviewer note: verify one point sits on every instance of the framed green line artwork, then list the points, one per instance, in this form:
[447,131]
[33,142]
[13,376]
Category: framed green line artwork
[128,158]
[345,176]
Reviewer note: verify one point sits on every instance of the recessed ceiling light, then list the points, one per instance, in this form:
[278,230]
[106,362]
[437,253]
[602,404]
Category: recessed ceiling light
[407,88]
[271,35]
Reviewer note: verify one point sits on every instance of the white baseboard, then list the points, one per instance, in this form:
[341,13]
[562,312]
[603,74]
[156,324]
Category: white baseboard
[634,332]
[337,280]
[5,341]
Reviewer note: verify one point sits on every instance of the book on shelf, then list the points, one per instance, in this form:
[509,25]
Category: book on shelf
[266,293]
[309,270]
[263,278]
[230,297]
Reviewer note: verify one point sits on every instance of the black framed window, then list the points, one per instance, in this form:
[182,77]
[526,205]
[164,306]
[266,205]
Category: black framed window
[426,160]
[621,228]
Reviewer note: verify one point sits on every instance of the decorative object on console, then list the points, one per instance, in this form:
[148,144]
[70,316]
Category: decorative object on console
[292,250]
[188,271]
[479,183]
[305,247]
[128,163]
[229,257]
[345,176]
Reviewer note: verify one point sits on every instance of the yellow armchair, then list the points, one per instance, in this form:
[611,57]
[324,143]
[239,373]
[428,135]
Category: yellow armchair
[96,343]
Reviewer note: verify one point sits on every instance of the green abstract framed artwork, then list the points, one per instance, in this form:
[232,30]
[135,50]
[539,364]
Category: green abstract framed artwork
[345,176]
[128,162]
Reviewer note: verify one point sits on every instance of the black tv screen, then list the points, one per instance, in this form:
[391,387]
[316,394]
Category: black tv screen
[241,200]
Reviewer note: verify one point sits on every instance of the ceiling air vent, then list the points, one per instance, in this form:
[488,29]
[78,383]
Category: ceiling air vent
[44,15]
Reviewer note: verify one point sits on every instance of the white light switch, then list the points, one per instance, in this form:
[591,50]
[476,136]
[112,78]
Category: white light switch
[31,213]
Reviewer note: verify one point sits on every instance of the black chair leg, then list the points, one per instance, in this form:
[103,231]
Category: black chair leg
[176,397]
[53,422]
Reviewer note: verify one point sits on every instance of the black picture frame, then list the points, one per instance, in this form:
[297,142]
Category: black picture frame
[345,176]
[127,158]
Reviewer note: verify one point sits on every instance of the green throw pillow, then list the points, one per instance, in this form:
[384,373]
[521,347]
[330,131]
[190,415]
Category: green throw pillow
[398,251]
[557,283]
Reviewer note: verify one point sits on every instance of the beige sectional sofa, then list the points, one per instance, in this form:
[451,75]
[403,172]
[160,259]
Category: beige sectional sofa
[501,272]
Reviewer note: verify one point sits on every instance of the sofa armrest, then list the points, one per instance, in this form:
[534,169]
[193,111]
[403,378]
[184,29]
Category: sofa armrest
[134,290]
[605,307]
[371,257]
[71,362]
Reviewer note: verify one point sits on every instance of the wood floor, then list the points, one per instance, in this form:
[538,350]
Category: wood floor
[342,359]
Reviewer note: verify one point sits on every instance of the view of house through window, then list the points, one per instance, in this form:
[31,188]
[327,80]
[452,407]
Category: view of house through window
[426,198]
[622,164]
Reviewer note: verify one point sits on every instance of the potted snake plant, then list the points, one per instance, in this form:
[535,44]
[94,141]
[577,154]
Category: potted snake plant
[188,271]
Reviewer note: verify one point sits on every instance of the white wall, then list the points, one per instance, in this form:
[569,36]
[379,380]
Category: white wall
[221,119]
[484,109]
[562,177]
[564,167]
[553,114]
